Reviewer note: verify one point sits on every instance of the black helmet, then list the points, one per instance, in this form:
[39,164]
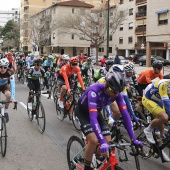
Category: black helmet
[115,81]
[157,64]
[109,62]
[38,61]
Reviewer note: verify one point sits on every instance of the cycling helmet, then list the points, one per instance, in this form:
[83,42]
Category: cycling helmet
[115,81]
[157,64]
[109,62]
[38,61]
[117,68]
[50,57]
[129,68]
[65,57]
[89,59]
[32,55]
[4,62]
[73,60]
[110,57]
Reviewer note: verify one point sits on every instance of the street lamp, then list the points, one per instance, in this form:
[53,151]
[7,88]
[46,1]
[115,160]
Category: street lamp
[108,15]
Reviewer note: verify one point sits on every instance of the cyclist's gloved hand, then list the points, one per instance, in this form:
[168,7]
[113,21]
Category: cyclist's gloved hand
[104,148]
[137,142]
[68,91]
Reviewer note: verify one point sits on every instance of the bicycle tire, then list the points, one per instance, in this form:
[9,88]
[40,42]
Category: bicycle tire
[80,157]
[30,116]
[117,167]
[75,121]
[147,148]
[55,89]
[41,117]
[59,111]
[3,137]
[126,161]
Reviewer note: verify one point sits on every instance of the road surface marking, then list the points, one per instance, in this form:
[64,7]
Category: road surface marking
[23,105]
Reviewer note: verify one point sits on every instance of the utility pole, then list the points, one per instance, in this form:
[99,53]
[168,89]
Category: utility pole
[108,25]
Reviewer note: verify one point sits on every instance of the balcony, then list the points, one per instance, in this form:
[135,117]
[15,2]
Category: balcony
[159,46]
[141,15]
[138,45]
[140,30]
[139,2]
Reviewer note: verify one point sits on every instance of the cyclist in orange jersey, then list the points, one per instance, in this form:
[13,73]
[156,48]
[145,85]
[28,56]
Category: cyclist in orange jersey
[65,77]
[12,63]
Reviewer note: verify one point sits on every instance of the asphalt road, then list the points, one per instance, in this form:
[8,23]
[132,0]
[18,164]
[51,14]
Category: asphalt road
[29,150]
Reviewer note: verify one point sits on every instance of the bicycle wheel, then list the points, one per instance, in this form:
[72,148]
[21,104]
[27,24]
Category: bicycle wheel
[127,161]
[29,111]
[3,137]
[116,168]
[59,111]
[75,151]
[55,89]
[41,83]
[75,121]
[40,114]
[22,78]
[147,148]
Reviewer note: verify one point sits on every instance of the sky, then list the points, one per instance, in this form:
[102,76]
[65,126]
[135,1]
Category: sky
[9,4]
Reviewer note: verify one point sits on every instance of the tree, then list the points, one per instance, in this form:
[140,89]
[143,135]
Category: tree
[91,26]
[10,33]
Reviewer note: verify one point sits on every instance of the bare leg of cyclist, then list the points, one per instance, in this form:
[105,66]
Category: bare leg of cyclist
[8,97]
[63,91]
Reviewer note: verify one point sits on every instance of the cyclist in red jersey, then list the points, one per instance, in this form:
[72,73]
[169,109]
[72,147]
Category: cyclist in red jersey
[65,76]
[12,63]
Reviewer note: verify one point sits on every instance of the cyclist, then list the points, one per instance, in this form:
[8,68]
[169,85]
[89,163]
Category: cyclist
[33,78]
[89,114]
[20,64]
[156,101]
[87,66]
[65,77]
[44,57]
[30,60]
[12,63]
[5,75]
[48,63]
[103,70]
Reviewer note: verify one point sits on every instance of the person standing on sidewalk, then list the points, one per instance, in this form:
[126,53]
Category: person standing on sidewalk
[117,60]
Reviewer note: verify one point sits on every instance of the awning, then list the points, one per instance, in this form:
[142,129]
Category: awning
[161,11]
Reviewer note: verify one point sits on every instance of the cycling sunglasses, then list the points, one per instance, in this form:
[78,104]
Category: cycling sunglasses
[113,91]
[38,64]
[3,67]
[158,68]
[74,64]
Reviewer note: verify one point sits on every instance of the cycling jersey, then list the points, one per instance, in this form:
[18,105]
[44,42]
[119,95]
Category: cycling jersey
[11,61]
[147,76]
[86,66]
[159,93]
[8,75]
[30,62]
[94,99]
[66,71]
[102,72]
[47,63]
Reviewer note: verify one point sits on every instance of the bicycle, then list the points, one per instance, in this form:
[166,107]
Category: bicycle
[37,109]
[75,160]
[21,74]
[155,150]
[3,129]
[69,109]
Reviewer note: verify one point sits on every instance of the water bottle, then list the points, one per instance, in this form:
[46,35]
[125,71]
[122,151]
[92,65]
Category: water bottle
[93,163]
[158,136]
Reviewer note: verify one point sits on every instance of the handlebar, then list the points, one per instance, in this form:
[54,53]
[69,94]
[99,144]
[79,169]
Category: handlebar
[15,103]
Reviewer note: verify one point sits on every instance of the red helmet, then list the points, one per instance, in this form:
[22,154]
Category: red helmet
[73,60]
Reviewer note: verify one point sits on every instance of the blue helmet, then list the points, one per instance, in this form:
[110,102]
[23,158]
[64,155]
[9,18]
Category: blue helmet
[50,57]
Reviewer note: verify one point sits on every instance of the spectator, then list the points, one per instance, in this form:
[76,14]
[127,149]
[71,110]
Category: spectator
[103,60]
[117,60]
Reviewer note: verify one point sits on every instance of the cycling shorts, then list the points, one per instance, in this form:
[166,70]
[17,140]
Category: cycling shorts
[4,88]
[152,106]
[84,120]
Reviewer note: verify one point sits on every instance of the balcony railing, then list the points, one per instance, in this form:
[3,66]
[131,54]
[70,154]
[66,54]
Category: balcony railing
[138,2]
[141,14]
[155,45]
[140,30]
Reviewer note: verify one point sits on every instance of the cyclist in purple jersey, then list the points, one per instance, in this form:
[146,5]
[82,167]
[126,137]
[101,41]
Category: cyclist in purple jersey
[93,125]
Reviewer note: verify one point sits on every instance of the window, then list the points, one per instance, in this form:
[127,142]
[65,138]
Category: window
[121,1]
[81,36]
[162,18]
[121,13]
[121,40]
[131,25]
[101,49]
[53,36]
[72,10]
[110,38]
[110,49]
[131,11]
[72,36]
[130,40]
[121,27]
[130,0]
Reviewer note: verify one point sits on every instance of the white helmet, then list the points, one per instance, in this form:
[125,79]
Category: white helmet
[4,62]
[110,57]
[65,57]
[129,67]
[117,68]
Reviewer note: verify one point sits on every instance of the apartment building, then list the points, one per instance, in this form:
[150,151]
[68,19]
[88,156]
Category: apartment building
[59,43]
[29,8]
[158,28]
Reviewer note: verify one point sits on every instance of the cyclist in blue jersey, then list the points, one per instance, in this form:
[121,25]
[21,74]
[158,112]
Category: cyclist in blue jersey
[93,125]
[48,63]
[30,60]
[7,74]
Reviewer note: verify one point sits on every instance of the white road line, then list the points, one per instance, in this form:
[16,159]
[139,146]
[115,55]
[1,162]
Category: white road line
[23,105]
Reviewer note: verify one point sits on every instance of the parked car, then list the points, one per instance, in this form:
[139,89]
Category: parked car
[142,60]
[165,62]
[136,57]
